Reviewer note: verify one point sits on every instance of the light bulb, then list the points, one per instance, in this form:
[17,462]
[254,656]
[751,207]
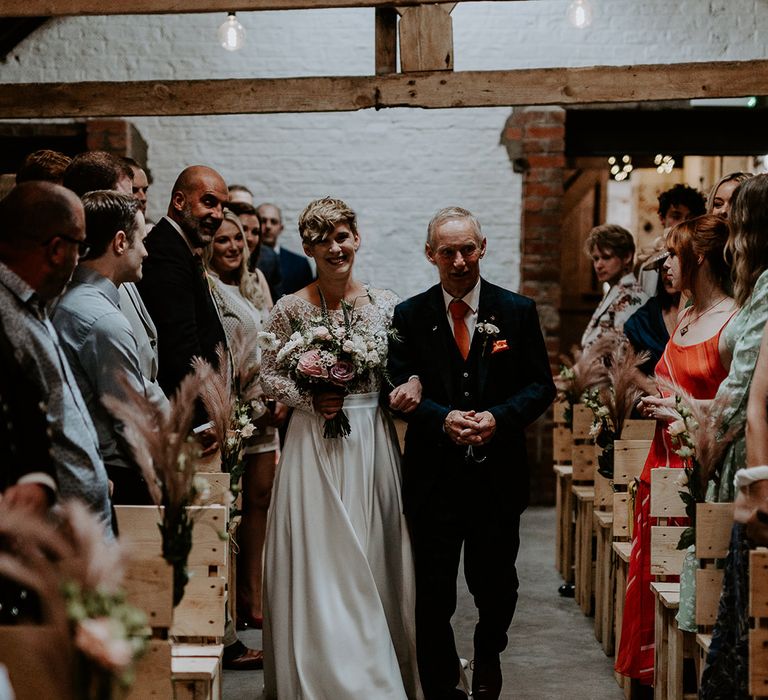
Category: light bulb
[231,33]
[580,13]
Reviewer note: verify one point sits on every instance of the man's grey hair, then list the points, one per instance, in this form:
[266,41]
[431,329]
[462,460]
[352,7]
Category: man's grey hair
[450,214]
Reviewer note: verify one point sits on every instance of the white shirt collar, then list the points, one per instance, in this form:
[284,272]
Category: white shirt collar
[471,298]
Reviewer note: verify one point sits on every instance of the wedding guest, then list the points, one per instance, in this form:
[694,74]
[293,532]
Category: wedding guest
[240,194]
[41,240]
[176,290]
[139,183]
[748,219]
[338,573]
[89,171]
[650,327]
[261,257]
[719,199]
[696,359]
[97,338]
[479,353]
[295,271]
[612,250]
[44,165]
[679,203]
[98,170]
[244,303]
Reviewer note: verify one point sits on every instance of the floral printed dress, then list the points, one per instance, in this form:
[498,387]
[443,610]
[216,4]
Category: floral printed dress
[339,589]
[622,300]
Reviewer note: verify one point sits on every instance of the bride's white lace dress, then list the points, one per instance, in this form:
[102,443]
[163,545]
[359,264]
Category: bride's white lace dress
[338,572]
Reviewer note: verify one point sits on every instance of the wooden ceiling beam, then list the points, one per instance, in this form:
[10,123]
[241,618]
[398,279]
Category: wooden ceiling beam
[431,90]
[67,8]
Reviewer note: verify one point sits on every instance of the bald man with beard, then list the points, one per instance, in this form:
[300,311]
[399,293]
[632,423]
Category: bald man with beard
[174,286]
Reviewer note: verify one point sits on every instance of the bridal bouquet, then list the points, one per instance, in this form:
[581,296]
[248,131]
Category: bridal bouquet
[326,356]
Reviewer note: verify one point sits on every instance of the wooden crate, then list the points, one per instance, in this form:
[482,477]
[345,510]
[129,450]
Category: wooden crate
[713,533]
[605,580]
[584,555]
[153,673]
[565,526]
[638,429]
[584,461]
[562,442]
[758,611]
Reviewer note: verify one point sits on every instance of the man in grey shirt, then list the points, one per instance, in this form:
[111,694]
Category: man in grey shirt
[97,338]
[42,235]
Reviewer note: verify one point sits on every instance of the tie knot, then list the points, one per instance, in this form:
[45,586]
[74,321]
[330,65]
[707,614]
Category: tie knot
[458,309]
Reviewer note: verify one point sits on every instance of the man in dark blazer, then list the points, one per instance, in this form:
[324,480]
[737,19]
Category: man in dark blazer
[175,289]
[174,286]
[295,272]
[478,352]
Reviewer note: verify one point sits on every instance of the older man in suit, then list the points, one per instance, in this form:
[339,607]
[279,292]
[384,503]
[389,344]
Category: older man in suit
[295,272]
[479,354]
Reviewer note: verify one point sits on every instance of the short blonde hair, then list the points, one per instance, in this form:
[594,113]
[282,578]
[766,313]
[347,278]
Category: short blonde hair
[321,216]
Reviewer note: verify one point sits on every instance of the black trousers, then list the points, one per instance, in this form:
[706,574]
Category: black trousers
[464,511]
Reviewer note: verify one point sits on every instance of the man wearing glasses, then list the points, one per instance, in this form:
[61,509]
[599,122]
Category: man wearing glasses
[479,355]
[42,236]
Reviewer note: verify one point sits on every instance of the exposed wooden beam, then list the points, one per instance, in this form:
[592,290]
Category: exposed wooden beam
[386,40]
[65,8]
[439,89]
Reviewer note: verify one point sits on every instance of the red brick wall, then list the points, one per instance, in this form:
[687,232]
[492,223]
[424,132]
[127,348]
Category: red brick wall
[116,136]
[535,139]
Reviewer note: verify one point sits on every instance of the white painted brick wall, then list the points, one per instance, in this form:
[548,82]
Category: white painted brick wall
[395,167]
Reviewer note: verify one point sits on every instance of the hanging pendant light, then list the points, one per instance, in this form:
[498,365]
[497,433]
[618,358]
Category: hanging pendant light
[231,33]
[580,13]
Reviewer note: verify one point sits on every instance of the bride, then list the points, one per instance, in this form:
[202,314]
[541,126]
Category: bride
[338,572]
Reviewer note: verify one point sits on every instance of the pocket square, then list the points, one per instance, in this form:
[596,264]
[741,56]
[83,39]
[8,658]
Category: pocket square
[499,346]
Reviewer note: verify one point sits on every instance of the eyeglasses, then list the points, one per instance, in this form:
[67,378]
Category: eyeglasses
[82,246]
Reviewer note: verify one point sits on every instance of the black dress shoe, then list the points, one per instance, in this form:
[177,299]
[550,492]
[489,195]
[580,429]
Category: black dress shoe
[567,590]
[486,678]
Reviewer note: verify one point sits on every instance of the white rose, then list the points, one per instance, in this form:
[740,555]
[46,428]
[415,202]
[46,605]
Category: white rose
[676,428]
[247,430]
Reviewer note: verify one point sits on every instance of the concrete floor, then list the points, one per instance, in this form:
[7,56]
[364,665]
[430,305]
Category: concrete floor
[552,651]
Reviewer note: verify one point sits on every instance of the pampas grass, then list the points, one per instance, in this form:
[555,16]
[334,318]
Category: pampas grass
[585,369]
[166,456]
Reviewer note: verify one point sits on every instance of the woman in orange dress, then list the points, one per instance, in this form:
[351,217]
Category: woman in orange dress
[697,360]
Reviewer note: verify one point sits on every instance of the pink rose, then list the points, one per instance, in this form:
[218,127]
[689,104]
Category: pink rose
[342,372]
[310,364]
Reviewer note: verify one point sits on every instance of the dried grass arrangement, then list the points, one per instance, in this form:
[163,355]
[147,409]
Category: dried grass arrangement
[232,398]
[582,371]
[75,575]
[612,403]
[166,455]
[700,440]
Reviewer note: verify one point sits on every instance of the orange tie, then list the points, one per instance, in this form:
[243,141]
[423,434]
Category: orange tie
[458,309]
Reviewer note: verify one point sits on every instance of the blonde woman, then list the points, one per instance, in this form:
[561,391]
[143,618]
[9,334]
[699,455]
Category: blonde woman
[244,302]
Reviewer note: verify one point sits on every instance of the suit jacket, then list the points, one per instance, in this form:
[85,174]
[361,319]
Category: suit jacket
[178,298]
[295,271]
[269,263]
[507,374]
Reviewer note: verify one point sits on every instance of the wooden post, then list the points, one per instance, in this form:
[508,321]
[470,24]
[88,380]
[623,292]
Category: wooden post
[426,38]
[386,40]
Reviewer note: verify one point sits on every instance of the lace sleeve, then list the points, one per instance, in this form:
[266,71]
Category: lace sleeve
[274,382]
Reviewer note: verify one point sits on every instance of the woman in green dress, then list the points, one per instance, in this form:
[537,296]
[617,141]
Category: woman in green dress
[725,675]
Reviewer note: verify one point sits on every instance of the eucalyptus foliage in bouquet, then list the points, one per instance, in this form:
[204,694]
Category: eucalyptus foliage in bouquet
[330,356]
[612,404]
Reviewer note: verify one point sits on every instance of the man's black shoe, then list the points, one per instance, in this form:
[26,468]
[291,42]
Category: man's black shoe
[567,590]
[486,678]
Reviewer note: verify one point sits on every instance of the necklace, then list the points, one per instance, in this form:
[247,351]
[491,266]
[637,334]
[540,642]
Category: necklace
[684,329]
